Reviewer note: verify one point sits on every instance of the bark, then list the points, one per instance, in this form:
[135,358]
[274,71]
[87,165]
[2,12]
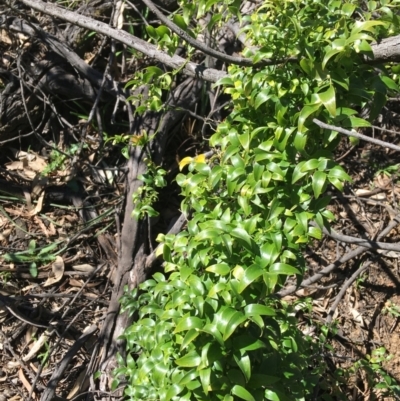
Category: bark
[132,269]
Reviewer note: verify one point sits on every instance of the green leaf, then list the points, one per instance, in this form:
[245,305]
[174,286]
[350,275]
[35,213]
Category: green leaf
[251,274]
[33,270]
[173,391]
[309,165]
[315,232]
[258,309]
[328,98]
[214,332]
[191,335]
[190,360]
[32,245]
[283,268]
[180,21]
[298,173]
[329,55]
[261,98]
[220,268]
[236,319]
[365,26]
[205,375]
[248,343]
[339,173]
[271,395]
[155,71]
[187,323]
[162,30]
[151,32]
[306,112]
[242,235]
[243,361]
[208,234]
[318,183]
[242,393]
[390,83]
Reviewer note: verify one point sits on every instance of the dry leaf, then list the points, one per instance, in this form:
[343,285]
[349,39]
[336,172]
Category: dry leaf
[38,208]
[84,268]
[58,271]
[36,347]
[25,382]
[81,384]
[75,283]
[357,316]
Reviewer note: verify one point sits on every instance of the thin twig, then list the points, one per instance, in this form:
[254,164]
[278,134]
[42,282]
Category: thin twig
[356,135]
[343,290]
[326,270]
[366,243]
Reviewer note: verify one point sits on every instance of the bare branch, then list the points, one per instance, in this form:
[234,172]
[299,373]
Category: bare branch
[176,62]
[386,50]
[323,272]
[344,288]
[356,135]
[361,241]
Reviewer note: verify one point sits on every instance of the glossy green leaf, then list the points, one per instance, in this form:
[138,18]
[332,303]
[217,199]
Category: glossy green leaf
[214,332]
[251,274]
[192,359]
[242,360]
[205,375]
[328,98]
[242,393]
[309,165]
[306,112]
[220,268]
[315,233]
[261,98]
[236,319]
[271,395]
[208,234]
[318,183]
[298,173]
[258,309]
[190,336]
[242,235]
[187,323]
[173,391]
[283,268]
[390,83]
[365,26]
[248,343]
[339,173]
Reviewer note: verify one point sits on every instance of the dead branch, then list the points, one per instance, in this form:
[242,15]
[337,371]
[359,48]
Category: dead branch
[366,243]
[385,51]
[356,135]
[175,62]
[344,288]
[328,269]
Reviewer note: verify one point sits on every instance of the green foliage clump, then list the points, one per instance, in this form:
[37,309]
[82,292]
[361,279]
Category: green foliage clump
[211,327]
